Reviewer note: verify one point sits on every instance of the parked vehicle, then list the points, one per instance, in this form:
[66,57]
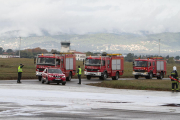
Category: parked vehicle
[53,75]
[111,65]
[64,61]
[148,68]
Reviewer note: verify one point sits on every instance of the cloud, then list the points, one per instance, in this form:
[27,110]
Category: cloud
[88,16]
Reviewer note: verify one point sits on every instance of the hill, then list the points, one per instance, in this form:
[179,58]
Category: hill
[100,42]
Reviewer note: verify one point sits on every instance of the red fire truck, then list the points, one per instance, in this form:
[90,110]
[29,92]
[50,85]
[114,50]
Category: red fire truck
[65,61]
[148,68]
[111,65]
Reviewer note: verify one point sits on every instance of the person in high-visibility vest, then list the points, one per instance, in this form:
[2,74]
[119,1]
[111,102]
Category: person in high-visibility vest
[174,75]
[79,74]
[19,73]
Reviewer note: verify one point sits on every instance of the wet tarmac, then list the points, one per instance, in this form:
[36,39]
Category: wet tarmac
[33,100]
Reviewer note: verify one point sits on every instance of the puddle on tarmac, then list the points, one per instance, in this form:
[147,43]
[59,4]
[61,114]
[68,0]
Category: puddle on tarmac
[113,102]
[172,105]
[50,106]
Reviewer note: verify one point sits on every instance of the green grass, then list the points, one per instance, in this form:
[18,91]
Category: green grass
[160,85]
[8,68]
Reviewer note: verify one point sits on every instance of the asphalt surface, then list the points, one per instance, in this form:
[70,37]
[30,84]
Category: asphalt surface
[32,100]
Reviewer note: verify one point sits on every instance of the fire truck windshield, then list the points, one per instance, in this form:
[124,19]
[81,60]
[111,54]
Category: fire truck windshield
[54,71]
[140,63]
[49,61]
[93,62]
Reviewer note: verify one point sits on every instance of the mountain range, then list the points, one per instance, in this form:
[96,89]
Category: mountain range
[101,42]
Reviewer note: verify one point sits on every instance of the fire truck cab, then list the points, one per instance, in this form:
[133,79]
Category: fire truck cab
[65,61]
[148,68]
[111,65]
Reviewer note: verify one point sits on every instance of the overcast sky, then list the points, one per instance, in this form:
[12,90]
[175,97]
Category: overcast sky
[88,16]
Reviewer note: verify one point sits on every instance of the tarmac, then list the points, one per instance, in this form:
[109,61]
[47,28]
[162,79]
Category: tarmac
[33,100]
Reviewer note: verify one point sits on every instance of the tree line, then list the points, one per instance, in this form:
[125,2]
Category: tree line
[31,53]
[27,53]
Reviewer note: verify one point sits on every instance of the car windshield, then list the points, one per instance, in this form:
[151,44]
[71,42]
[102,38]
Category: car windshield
[54,71]
[93,62]
[140,63]
[42,60]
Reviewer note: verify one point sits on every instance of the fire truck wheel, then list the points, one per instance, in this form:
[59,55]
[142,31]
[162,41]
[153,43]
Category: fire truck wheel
[161,76]
[113,78]
[57,83]
[105,76]
[39,78]
[88,77]
[150,76]
[69,77]
[136,76]
[117,76]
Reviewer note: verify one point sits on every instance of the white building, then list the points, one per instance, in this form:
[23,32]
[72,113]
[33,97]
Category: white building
[80,56]
[9,56]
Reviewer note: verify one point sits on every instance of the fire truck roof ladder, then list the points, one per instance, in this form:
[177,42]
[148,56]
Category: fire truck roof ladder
[114,54]
[156,58]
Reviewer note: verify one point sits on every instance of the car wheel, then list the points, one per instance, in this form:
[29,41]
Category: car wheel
[47,82]
[63,83]
[42,80]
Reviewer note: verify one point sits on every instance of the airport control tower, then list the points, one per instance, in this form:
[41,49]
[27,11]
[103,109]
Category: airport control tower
[65,46]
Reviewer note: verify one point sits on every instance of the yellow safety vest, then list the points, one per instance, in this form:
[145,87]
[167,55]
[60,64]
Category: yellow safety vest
[19,69]
[79,71]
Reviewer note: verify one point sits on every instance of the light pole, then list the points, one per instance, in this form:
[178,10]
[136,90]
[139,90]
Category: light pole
[159,47]
[19,46]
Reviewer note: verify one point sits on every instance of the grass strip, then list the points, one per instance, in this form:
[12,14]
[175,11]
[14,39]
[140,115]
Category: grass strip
[159,85]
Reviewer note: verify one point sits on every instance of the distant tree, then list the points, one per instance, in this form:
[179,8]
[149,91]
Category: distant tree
[129,57]
[9,50]
[167,57]
[38,50]
[177,57]
[171,60]
[104,53]
[89,53]
[1,50]
[54,51]
[135,56]
[97,53]
[139,56]
[26,54]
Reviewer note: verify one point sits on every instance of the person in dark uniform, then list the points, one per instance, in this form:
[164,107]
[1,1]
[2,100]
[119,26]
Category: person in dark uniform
[19,73]
[79,74]
[174,75]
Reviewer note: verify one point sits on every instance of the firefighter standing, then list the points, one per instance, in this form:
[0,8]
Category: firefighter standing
[19,73]
[174,74]
[79,74]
